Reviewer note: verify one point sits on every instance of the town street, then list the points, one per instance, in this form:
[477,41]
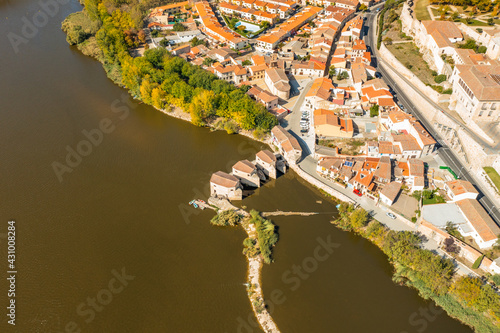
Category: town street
[443,150]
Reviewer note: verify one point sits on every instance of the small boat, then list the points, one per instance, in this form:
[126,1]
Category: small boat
[195,205]
[203,202]
[338,206]
[191,202]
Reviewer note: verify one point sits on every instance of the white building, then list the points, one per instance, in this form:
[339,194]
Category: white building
[277,82]
[460,189]
[476,91]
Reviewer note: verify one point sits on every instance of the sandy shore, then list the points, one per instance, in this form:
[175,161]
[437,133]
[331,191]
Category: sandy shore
[254,270]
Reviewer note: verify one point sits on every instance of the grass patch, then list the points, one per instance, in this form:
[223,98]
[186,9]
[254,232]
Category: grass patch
[409,55]
[494,176]
[421,12]
[474,23]
[434,200]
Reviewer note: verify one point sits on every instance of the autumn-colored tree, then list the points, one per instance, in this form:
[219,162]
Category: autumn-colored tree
[467,289]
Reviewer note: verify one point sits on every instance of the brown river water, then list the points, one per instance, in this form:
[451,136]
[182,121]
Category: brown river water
[105,240]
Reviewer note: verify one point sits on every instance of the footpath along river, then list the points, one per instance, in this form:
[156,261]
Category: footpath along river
[108,243]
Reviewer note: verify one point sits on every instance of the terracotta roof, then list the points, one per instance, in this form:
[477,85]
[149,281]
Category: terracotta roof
[459,186]
[244,166]
[405,170]
[483,80]
[333,163]
[371,163]
[407,142]
[384,170]
[398,116]
[442,31]
[267,156]
[321,88]
[363,178]
[480,220]
[391,190]
[224,179]
[416,167]
[385,147]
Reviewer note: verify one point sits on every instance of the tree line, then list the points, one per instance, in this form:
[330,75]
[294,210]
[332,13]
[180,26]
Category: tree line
[161,80]
[467,298]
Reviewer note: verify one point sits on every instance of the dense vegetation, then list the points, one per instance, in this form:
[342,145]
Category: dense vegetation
[467,298]
[226,218]
[108,29]
[389,4]
[267,237]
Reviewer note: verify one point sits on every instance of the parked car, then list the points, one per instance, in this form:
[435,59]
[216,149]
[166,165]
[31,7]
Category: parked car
[357,192]
[304,130]
[391,215]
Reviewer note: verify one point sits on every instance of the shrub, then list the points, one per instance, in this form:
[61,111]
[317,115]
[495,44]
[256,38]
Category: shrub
[226,218]
[477,263]
[496,279]
[448,91]
[408,65]
[440,78]
[231,127]
[481,49]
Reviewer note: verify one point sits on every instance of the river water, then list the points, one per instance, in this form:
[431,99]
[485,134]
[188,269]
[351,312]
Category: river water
[113,224]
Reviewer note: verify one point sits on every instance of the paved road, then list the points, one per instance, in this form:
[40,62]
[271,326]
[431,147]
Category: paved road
[443,150]
[308,164]
[293,122]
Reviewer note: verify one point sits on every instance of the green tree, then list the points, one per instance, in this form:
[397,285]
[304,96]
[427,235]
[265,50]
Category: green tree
[179,27]
[208,61]
[342,75]
[440,78]
[195,42]
[374,110]
[246,63]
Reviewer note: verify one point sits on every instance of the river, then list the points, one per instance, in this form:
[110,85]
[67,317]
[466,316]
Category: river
[105,240]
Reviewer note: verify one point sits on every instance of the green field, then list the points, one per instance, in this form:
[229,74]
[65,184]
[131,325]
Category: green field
[494,176]
[421,10]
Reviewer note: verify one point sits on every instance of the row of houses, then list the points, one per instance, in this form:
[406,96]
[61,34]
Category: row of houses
[215,30]
[245,173]
[281,8]
[249,14]
[371,175]
[268,42]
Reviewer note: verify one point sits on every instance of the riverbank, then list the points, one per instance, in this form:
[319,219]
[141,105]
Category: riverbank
[254,267]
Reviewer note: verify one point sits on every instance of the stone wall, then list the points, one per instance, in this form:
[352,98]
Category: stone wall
[476,156]
[468,31]
[391,60]
[313,181]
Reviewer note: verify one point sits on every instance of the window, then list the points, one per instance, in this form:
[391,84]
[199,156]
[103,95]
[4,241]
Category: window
[480,113]
[490,113]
